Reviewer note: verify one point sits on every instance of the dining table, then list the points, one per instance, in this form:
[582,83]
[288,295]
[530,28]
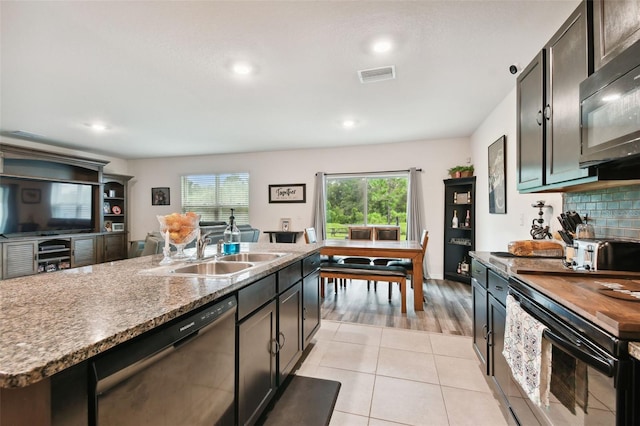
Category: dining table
[411,250]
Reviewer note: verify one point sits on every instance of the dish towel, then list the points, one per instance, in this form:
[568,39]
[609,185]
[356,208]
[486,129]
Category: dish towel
[527,353]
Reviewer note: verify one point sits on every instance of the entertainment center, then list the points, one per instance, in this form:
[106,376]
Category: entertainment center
[58,211]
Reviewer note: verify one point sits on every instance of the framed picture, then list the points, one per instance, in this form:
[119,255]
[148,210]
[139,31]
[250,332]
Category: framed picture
[106,207]
[292,193]
[285,225]
[497,173]
[30,195]
[160,196]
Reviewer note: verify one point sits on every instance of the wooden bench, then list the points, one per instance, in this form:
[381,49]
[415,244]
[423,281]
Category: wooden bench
[396,274]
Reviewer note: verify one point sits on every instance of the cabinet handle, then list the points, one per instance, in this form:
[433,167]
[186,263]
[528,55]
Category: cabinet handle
[485,331]
[547,112]
[539,118]
[304,313]
[284,340]
[499,288]
[277,348]
[490,338]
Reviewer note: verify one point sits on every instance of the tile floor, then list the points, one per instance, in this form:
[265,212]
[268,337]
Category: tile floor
[393,376]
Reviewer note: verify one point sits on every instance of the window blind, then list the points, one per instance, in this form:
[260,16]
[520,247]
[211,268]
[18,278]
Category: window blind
[213,196]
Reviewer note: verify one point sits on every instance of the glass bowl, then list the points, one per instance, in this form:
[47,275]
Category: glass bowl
[179,230]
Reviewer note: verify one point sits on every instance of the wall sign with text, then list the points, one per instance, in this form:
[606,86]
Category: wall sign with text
[293,193]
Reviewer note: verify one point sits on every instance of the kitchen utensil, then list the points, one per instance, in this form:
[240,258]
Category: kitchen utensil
[566,237]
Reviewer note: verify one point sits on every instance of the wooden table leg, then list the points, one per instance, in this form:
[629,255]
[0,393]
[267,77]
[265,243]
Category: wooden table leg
[416,277]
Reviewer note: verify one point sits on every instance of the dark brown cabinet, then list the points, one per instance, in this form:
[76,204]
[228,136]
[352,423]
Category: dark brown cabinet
[459,240]
[83,251]
[310,306]
[567,64]
[480,313]
[112,247]
[115,213]
[19,259]
[616,26]
[256,363]
[530,124]
[548,104]
[289,330]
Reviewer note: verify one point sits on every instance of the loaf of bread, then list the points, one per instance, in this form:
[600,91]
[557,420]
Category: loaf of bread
[536,248]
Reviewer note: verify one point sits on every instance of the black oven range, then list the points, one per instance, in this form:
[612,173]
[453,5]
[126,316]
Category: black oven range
[593,379]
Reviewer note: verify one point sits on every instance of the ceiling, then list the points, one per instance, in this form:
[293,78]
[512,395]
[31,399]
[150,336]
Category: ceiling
[158,74]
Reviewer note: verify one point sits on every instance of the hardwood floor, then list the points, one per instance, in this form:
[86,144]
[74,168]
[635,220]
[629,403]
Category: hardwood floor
[447,309]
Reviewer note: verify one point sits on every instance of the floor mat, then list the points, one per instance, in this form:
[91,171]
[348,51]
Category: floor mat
[305,401]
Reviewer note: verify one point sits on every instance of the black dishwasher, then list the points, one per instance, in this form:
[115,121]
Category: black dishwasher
[180,374]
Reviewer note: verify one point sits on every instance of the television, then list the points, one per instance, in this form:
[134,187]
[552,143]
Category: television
[33,207]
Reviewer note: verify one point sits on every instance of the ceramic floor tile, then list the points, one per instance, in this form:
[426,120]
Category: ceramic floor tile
[457,346]
[461,373]
[478,408]
[378,422]
[317,351]
[362,334]
[408,402]
[410,365]
[349,356]
[338,418]
[406,339]
[327,330]
[356,389]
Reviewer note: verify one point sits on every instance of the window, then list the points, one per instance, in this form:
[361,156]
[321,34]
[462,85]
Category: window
[372,199]
[213,196]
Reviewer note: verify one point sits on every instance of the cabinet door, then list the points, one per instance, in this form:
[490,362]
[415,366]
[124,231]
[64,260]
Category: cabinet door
[256,363]
[480,322]
[310,306]
[19,259]
[499,368]
[566,66]
[113,247]
[530,124]
[616,26]
[289,330]
[83,251]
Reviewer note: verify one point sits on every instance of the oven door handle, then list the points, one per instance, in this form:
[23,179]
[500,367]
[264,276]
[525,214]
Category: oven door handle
[583,353]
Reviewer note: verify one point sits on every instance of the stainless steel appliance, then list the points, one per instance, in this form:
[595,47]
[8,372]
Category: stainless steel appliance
[181,374]
[594,383]
[606,254]
[610,110]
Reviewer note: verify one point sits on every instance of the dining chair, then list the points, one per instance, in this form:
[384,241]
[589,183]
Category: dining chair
[359,233]
[387,234]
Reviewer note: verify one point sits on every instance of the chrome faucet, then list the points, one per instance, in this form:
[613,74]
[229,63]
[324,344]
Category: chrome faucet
[201,244]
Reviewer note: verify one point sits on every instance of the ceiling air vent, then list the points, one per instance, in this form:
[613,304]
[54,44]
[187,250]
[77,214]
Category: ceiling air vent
[377,74]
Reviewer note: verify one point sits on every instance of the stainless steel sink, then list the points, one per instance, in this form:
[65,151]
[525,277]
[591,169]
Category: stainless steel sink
[250,257]
[213,268]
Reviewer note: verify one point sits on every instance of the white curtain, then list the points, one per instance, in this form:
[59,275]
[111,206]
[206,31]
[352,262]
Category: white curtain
[415,222]
[319,212]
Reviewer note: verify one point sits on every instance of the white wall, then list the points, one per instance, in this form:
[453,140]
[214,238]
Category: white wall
[300,166]
[495,231]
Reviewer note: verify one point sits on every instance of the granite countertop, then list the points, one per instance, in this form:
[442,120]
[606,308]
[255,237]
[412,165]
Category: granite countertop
[52,321]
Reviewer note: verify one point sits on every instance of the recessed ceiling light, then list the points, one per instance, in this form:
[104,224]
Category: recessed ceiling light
[382,46]
[97,127]
[348,124]
[242,68]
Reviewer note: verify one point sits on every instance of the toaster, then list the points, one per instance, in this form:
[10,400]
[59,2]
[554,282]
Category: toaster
[610,255]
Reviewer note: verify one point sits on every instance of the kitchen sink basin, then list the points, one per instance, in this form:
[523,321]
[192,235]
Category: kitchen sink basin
[250,257]
[213,268]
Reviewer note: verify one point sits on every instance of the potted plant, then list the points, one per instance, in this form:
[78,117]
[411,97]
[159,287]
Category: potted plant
[461,171]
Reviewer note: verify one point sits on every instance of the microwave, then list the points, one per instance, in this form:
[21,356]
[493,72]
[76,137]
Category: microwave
[610,110]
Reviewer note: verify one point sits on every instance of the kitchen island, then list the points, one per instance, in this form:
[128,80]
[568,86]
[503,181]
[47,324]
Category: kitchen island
[50,323]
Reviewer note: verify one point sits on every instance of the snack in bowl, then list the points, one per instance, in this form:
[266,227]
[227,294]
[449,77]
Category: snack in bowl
[179,229]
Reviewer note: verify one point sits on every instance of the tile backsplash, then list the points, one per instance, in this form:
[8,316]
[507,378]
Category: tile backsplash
[614,212]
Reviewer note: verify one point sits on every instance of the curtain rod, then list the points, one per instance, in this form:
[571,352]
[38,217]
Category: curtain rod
[370,173]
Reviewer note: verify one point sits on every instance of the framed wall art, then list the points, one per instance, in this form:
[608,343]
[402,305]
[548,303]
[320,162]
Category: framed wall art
[160,196]
[285,225]
[497,174]
[292,193]
[30,195]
